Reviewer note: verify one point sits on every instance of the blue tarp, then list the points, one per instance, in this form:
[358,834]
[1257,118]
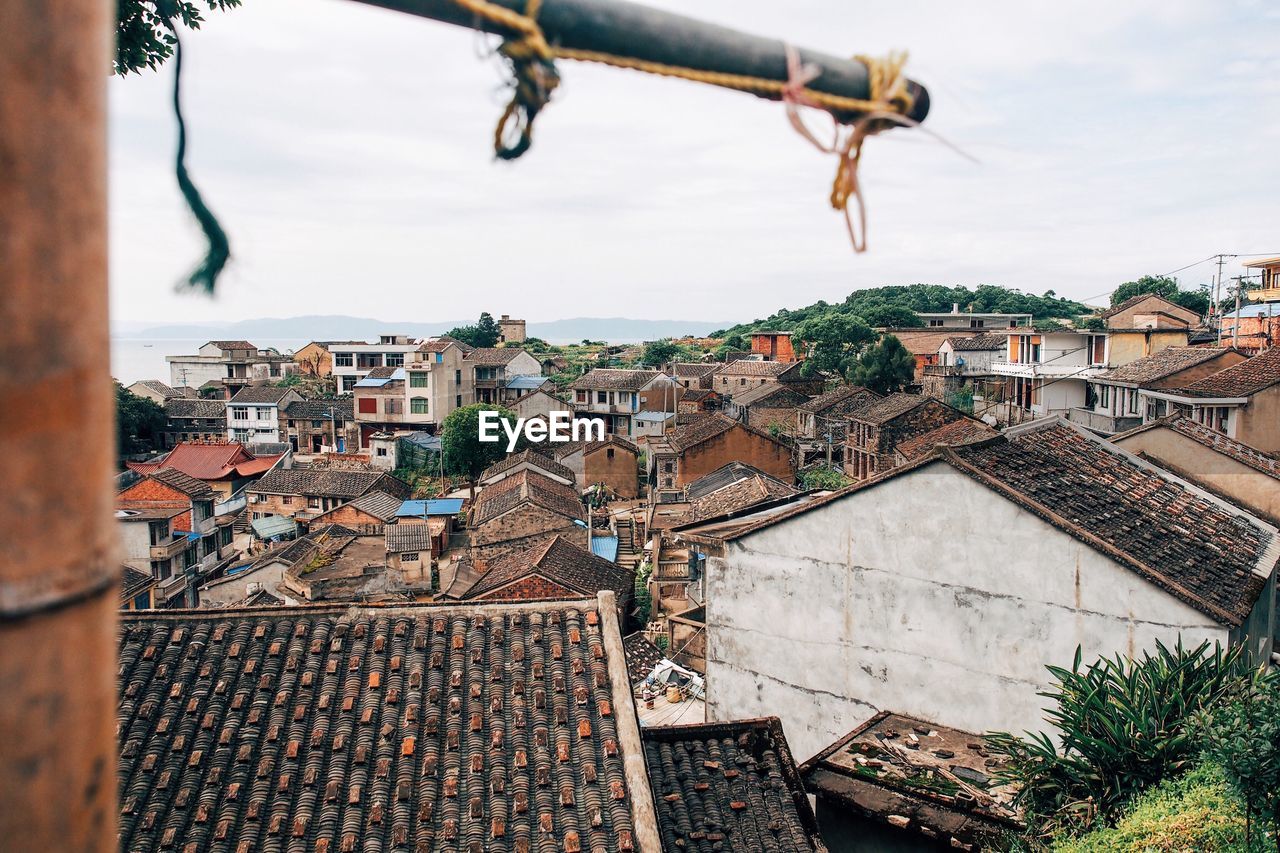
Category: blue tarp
[371,382]
[605,546]
[439,506]
[525,383]
[273,525]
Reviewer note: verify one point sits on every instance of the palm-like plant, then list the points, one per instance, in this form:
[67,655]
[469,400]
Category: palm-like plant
[1121,725]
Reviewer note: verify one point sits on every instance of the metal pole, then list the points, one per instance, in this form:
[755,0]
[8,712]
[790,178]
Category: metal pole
[639,32]
[59,573]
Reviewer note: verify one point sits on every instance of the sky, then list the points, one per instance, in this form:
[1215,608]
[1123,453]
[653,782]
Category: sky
[348,152]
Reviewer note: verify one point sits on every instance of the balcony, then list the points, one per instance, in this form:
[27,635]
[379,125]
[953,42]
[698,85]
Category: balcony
[1046,369]
[170,548]
[1103,423]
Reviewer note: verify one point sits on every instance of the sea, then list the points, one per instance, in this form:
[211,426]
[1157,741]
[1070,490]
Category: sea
[143,358]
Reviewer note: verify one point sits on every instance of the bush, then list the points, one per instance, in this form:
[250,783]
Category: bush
[1123,725]
[1243,737]
[823,478]
[1198,811]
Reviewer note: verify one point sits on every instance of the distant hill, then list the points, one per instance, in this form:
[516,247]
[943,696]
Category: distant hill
[874,302]
[339,327]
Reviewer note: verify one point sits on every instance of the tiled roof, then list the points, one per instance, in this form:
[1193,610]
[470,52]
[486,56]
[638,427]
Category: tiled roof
[740,494]
[772,396]
[642,656]
[133,582]
[1162,364]
[561,562]
[493,355]
[701,430]
[383,372]
[185,483]
[696,370]
[334,482]
[962,431]
[846,397]
[534,459]
[1214,440]
[212,460]
[343,409]
[562,449]
[1240,380]
[462,345]
[377,503]
[900,767]
[499,727]
[408,537]
[233,345]
[729,787]
[1196,548]
[259,394]
[989,341]
[614,379]
[1134,300]
[751,367]
[523,486]
[186,408]
[159,387]
[886,409]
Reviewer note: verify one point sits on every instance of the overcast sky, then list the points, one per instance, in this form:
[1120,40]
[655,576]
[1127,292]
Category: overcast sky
[347,150]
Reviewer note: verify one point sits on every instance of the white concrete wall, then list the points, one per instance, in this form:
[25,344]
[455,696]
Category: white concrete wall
[891,599]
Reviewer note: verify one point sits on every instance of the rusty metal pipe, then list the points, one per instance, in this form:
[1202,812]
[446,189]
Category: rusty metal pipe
[58,572]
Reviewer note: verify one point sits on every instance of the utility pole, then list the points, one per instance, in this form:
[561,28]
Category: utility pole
[1235,326]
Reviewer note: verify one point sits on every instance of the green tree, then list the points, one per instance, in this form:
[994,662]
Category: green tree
[658,353]
[832,343]
[139,422]
[887,315]
[1242,736]
[1121,726]
[484,333]
[143,37]
[1166,287]
[885,367]
[465,455]
[823,478]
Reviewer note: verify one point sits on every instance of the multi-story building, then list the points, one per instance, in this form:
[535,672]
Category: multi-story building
[957,319]
[233,364]
[353,362]
[614,396]
[493,368]
[320,426]
[435,380]
[737,377]
[253,414]
[193,420]
[1048,370]
[304,493]
[773,346]
[510,331]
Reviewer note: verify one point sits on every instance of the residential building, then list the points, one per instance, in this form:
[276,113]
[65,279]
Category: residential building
[737,377]
[699,400]
[230,364]
[354,361]
[367,514]
[823,422]
[335,563]
[302,494]
[434,381]
[168,528]
[882,434]
[528,460]
[188,419]
[320,426]
[873,789]
[957,319]
[647,425]
[1253,328]
[729,786]
[493,367]
[1048,369]
[380,401]
[613,396]
[1112,401]
[522,510]
[1147,310]
[963,363]
[159,393]
[316,358]
[136,589]
[1241,474]
[554,568]
[710,442]
[1057,543]
[923,344]
[539,403]
[693,376]
[613,462]
[771,408]
[370,751]
[224,466]
[411,550]
[1241,402]
[773,346]
[254,414]
[510,331]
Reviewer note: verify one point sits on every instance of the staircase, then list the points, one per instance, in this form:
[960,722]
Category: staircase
[629,555]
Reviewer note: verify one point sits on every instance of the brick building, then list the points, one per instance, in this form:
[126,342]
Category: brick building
[555,568]
[304,493]
[613,462]
[520,511]
[709,442]
[320,426]
[893,430]
[773,346]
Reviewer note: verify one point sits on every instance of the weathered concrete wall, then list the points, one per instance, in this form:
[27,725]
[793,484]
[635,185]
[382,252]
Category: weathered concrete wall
[1234,480]
[613,466]
[1258,424]
[890,599]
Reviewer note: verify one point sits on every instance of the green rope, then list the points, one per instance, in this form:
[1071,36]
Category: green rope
[205,276]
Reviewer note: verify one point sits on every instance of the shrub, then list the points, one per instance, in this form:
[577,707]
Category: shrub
[1243,737]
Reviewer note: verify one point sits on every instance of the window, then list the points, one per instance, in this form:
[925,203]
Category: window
[742,381]
[313,502]
[395,359]
[239,413]
[935,323]
[317,424]
[367,406]
[418,405]
[458,401]
[256,498]
[608,453]
[409,557]
[417,379]
[457,379]
[1097,349]
[263,413]
[287,500]
[582,396]
[602,396]
[976,323]
[381,451]
[1104,396]
[393,406]
[343,359]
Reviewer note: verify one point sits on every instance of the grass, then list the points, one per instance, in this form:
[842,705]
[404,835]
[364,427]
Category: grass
[1197,811]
